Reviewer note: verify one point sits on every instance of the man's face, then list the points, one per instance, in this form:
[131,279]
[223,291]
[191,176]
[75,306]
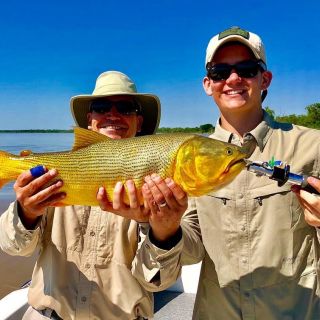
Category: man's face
[237,94]
[113,124]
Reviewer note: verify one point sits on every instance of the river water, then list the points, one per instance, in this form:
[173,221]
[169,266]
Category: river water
[36,142]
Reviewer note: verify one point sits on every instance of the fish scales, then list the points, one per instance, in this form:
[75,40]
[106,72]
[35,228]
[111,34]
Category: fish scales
[105,163]
[196,163]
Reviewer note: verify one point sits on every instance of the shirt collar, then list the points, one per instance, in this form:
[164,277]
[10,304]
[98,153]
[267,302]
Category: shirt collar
[261,132]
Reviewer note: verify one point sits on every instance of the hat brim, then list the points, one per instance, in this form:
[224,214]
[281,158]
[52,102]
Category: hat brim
[150,110]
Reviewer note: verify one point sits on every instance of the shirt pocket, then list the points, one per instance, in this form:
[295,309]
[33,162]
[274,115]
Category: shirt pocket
[279,202]
[216,213]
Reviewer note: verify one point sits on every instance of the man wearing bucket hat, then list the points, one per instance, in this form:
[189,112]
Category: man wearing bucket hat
[258,242]
[84,266]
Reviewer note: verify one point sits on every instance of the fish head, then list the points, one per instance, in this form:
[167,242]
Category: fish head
[204,165]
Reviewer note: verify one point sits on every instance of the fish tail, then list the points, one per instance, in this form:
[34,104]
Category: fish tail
[8,170]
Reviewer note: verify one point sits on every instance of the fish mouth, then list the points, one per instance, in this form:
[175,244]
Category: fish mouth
[237,163]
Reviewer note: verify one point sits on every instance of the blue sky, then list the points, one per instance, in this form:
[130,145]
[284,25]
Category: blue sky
[52,50]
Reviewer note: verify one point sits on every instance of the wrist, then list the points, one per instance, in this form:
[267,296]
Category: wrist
[169,242]
[28,221]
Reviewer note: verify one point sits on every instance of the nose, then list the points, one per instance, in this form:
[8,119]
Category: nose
[234,77]
[113,113]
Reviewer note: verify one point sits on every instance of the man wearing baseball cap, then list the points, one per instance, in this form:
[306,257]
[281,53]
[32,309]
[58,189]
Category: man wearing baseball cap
[258,242]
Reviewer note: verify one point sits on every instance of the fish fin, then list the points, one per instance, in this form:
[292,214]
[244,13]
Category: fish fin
[25,153]
[7,170]
[4,182]
[84,138]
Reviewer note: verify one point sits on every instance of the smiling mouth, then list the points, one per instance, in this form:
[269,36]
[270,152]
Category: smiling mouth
[234,92]
[112,127]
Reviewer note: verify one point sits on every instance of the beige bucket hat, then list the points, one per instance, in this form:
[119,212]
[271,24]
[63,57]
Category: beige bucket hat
[113,83]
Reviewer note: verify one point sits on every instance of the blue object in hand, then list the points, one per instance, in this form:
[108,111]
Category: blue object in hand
[37,171]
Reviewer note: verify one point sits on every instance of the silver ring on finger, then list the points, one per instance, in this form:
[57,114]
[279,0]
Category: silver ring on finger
[162,204]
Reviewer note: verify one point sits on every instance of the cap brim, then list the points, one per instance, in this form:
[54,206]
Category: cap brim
[150,110]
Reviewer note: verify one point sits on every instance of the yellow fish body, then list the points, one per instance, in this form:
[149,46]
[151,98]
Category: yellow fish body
[198,164]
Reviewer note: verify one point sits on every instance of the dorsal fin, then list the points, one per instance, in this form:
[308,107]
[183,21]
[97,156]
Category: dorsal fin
[84,138]
[25,153]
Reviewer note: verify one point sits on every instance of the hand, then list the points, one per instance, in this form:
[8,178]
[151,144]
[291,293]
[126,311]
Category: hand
[309,202]
[167,202]
[34,197]
[132,211]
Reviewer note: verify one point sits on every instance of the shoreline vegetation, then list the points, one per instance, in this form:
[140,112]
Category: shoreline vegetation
[205,128]
[311,119]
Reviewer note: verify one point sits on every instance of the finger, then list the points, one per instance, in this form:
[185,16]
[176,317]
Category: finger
[38,171]
[314,182]
[117,202]
[311,199]
[54,200]
[160,191]
[102,199]
[132,194]
[43,195]
[148,198]
[177,192]
[33,186]
[25,177]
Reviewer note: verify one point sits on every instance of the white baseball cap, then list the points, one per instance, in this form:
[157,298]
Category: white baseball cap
[237,34]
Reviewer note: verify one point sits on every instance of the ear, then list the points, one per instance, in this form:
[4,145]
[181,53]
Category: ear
[89,118]
[207,86]
[266,80]
[139,123]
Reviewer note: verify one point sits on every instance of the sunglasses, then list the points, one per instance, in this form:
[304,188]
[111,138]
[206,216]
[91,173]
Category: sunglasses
[244,69]
[124,107]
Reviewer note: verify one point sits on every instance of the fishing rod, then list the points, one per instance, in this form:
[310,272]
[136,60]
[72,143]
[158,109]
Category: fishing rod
[280,172]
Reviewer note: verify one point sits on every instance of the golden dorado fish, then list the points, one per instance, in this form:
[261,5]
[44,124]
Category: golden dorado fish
[198,164]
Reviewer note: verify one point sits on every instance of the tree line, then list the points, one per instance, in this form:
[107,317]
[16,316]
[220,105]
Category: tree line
[311,119]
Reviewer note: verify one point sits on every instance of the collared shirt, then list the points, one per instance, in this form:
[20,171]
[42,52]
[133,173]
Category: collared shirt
[260,257]
[84,265]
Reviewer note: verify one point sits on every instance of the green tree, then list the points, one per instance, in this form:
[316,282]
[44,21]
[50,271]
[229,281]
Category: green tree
[313,115]
[271,112]
[208,127]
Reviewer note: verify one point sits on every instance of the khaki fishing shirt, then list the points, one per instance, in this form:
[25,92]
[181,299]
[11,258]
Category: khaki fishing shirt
[260,259]
[84,265]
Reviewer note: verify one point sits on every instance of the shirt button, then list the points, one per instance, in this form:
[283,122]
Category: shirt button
[87,265]
[247,294]
[244,260]
[240,195]
[83,299]
[92,233]
[243,228]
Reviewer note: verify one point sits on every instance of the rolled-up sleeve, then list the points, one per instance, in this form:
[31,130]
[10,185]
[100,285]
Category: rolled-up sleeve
[157,269]
[15,239]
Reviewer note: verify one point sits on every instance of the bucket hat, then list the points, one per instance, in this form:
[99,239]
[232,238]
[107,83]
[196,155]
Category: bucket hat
[114,83]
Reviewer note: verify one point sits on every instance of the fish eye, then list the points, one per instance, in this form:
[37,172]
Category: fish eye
[229,151]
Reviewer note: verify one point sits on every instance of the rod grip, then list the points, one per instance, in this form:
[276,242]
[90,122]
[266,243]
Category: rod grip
[307,187]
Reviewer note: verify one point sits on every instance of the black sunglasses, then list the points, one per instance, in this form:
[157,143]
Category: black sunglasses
[124,107]
[244,69]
